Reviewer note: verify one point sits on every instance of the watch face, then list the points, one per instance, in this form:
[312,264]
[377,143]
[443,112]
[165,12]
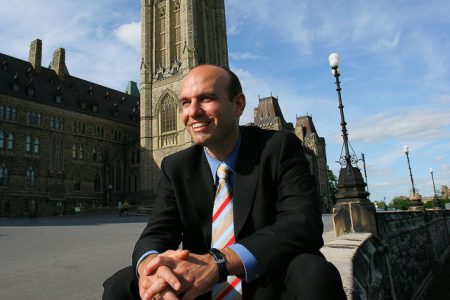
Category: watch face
[220,260]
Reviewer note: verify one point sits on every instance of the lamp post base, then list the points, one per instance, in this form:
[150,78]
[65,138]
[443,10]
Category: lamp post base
[416,202]
[353,212]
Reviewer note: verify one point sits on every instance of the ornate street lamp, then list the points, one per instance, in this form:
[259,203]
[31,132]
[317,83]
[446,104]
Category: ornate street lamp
[435,200]
[353,211]
[416,199]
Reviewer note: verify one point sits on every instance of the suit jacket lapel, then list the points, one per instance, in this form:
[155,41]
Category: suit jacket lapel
[201,189]
[245,180]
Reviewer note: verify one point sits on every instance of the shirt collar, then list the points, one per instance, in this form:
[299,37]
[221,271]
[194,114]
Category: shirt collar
[230,160]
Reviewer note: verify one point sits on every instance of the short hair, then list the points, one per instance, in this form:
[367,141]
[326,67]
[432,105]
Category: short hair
[234,84]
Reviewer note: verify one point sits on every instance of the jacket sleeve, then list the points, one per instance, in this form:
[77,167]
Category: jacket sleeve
[163,232]
[296,225]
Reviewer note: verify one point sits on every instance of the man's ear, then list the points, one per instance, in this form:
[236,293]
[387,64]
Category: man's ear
[240,104]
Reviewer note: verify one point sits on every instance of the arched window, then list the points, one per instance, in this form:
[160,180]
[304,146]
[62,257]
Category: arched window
[28,144]
[36,145]
[2,140]
[11,141]
[3,175]
[168,115]
[31,176]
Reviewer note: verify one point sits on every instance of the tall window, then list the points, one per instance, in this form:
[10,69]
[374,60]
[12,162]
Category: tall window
[34,118]
[3,175]
[31,176]
[36,145]
[74,151]
[28,144]
[175,25]
[168,115]
[161,23]
[11,141]
[13,114]
[2,140]
[80,152]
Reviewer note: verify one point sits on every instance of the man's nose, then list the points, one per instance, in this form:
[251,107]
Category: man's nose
[195,109]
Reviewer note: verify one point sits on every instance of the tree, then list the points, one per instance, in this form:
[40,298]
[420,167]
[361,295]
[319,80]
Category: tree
[400,202]
[332,185]
[381,205]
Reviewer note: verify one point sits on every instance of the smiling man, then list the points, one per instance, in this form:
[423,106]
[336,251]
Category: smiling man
[241,202]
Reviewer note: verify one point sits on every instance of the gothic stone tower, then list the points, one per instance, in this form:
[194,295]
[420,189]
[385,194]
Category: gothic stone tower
[176,35]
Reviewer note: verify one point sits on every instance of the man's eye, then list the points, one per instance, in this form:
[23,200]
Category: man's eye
[184,103]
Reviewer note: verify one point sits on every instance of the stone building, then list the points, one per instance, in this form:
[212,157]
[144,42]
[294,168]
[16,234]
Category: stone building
[268,115]
[177,35]
[66,144]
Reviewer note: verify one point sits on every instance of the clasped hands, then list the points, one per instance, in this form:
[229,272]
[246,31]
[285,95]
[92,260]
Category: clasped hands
[176,275]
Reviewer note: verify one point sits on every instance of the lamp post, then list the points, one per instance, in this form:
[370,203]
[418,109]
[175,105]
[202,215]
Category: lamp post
[353,211]
[435,200]
[416,199]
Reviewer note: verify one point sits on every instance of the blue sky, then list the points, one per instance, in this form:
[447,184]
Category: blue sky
[394,65]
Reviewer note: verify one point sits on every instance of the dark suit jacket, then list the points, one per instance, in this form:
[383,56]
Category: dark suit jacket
[277,213]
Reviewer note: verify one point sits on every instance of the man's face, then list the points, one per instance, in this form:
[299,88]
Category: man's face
[208,114]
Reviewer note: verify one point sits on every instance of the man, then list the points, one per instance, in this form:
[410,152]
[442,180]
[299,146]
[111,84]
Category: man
[257,183]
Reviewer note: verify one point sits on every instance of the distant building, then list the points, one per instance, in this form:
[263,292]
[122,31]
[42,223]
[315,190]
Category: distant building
[445,191]
[64,142]
[268,115]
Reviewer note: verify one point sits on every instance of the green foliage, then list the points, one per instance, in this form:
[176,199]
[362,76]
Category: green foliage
[428,204]
[400,202]
[442,201]
[381,205]
[332,185]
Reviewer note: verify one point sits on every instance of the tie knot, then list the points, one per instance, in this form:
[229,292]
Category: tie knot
[223,171]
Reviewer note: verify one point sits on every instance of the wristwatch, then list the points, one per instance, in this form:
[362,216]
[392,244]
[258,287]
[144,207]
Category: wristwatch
[220,261]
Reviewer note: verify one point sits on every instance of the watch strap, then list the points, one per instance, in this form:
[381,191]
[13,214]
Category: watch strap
[220,261]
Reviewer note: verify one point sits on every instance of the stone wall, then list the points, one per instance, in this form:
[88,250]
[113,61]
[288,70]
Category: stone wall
[400,262]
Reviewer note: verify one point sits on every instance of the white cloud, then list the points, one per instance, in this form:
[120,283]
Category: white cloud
[130,34]
[245,56]
[421,123]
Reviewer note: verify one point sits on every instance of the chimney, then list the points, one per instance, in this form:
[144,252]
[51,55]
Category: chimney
[35,56]
[59,63]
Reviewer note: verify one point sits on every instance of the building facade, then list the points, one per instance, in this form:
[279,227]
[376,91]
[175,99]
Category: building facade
[66,144]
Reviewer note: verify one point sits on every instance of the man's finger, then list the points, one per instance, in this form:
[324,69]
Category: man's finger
[168,294]
[168,276]
[158,285]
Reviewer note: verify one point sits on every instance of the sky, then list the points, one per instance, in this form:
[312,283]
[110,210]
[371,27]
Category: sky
[394,67]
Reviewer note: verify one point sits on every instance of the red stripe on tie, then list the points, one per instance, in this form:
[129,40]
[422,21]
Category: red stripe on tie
[228,289]
[222,207]
[230,242]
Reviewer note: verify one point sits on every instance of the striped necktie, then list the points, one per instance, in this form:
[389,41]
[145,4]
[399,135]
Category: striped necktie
[223,232]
